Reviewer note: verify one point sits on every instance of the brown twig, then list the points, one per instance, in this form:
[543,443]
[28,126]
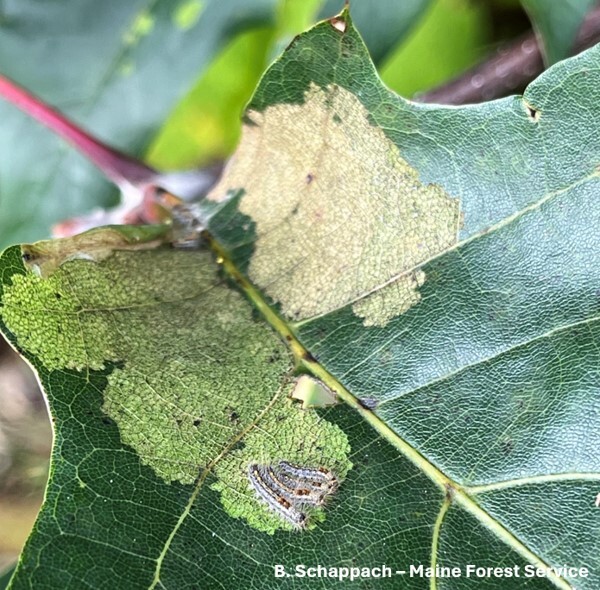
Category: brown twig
[510,69]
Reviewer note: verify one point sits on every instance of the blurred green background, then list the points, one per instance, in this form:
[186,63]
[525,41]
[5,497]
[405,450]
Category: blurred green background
[447,37]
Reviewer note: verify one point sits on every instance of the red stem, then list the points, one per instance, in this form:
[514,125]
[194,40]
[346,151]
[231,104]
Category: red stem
[117,166]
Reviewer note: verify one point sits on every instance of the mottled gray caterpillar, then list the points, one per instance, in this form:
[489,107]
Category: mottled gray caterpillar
[314,477]
[289,489]
[276,502]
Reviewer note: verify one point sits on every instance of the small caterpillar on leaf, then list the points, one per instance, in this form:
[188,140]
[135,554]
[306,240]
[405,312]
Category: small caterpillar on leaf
[276,502]
[289,489]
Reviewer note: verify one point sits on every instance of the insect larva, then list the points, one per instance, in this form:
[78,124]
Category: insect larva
[273,499]
[293,491]
[301,487]
[319,477]
[299,472]
[370,403]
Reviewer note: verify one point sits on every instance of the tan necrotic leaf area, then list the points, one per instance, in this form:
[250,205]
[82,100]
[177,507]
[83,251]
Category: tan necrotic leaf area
[341,218]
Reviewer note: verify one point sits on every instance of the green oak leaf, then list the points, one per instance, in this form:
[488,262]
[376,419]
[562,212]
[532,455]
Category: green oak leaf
[438,264]
[557,23]
[180,409]
[479,346]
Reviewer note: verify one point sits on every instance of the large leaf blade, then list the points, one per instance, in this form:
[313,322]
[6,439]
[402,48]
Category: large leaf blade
[478,362]
[117,521]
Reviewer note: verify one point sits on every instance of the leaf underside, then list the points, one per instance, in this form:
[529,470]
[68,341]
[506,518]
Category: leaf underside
[465,312]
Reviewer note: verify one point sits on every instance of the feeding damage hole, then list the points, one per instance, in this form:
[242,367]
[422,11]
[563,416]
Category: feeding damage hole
[339,24]
[290,490]
[313,393]
[532,112]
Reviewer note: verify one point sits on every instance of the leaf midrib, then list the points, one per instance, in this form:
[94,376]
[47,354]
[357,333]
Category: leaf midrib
[453,491]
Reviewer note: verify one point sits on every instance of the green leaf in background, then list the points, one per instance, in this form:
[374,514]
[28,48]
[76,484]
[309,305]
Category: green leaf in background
[557,24]
[205,125]
[435,267]
[451,37]
[117,67]
[382,23]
